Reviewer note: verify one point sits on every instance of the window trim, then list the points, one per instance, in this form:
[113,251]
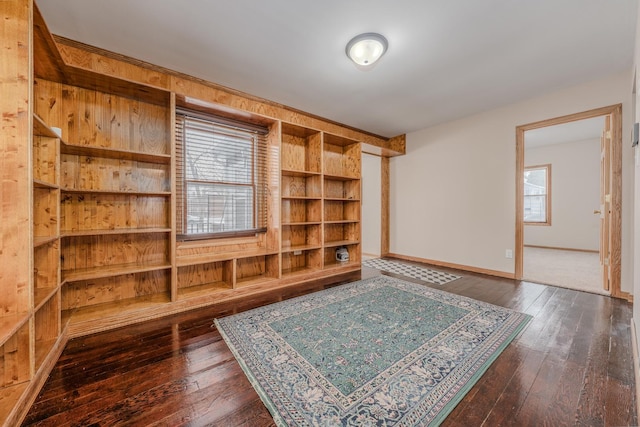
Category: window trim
[547,168]
[238,126]
[220,235]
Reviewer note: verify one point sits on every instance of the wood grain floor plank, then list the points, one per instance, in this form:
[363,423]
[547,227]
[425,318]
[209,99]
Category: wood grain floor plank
[619,409]
[571,366]
[486,392]
[95,372]
[513,396]
[591,405]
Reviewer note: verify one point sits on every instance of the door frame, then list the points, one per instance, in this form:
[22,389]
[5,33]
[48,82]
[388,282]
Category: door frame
[616,184]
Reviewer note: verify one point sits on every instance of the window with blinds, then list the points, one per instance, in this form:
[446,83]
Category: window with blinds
[220,177]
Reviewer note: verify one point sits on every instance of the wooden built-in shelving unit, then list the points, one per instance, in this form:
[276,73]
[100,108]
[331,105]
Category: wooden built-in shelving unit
[114,201]
[301,201]
[46,241]
[31,335]
[342,188]
[320,206]
[90,236]
[215,271]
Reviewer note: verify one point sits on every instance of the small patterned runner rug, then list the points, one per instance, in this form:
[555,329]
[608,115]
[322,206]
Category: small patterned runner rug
[376,352]
[410,270]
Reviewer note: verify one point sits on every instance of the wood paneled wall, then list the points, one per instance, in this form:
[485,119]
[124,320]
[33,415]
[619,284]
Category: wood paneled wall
[79,56]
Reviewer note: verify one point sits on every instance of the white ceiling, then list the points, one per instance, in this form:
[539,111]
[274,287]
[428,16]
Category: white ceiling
[580,130]
[447,58]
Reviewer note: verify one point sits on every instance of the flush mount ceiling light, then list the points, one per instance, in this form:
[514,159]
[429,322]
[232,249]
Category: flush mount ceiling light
[364,50]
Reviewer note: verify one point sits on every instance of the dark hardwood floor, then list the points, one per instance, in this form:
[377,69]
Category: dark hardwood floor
[572,365]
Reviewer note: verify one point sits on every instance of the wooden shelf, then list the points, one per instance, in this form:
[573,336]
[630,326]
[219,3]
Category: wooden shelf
[299,248]
[297,270]
[337,141]
[298,173]
[339,264]
[295,130]
[301,223]
[306,258]
[199,280]
[255,270]
[342,221]
[254,280]
[114,153]
[341,211]
[352,245]
[41,296]
[300,238]
[341,190]
[43,184]
[296,211]
[116,309]
[336,243]
[342,234]
[203,289]
[301,186]
[341,177]
[124,192]
[102,213]
[43,348]
[97,232]
[301,150]
[9,325]
[187,260]
[45,212]
[43,240]
[10,397]
[65,318]
[40,128]
[16,351]
[111,271]
[341,199]
[46,329]
[300,198]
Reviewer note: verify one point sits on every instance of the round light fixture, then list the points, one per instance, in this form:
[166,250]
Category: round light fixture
[365,49]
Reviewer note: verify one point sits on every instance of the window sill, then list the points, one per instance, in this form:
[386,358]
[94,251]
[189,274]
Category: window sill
[221,235]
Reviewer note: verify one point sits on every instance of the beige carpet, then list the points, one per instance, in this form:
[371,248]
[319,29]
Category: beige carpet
[568,269]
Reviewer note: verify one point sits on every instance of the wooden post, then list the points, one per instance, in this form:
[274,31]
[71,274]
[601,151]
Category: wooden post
[384,215]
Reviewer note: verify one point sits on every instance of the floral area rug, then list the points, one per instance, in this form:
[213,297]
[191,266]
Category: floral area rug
[411,270]
[376,352]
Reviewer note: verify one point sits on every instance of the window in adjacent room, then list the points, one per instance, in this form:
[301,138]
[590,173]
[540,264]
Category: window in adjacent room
[220,177]
[537,195]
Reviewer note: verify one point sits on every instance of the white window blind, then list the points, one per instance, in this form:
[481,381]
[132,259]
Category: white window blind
[220,177]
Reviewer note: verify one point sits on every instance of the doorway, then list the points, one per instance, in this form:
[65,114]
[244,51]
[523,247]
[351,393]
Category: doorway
[609,238]
[562,205]
[371,205]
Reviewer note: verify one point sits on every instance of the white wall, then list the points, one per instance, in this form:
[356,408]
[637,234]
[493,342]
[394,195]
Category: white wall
[371,204]
[453,194]
[575,194]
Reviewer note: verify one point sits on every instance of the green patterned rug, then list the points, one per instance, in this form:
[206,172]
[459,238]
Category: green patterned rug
[377,352]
